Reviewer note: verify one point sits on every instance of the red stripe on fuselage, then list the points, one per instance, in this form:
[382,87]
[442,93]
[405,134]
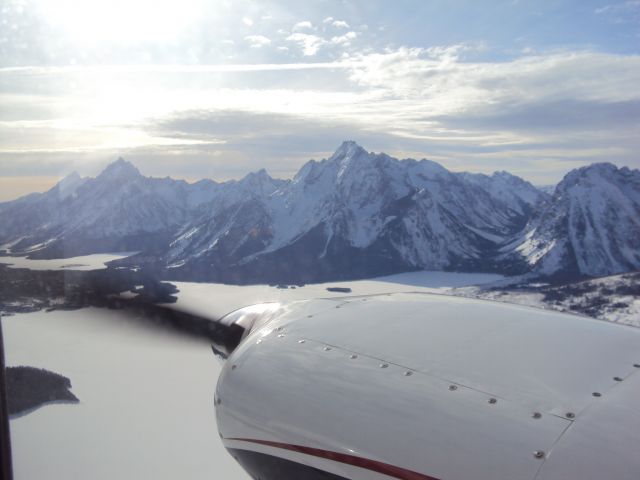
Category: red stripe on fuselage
[372,465]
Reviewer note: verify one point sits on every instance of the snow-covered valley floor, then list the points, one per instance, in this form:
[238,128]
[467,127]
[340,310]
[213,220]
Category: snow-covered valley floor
[146,398]
[615,298]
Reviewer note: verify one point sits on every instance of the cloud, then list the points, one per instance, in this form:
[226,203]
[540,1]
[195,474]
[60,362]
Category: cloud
[465,107]
[310,44]
[530,114]
[280,141]
[257,41]
[230,124]
[444,82]
[344,39]
[619,13]
[39,73]
[304,25]
[566,106]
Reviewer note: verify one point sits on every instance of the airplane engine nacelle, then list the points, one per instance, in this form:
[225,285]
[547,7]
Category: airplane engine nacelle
[417,387]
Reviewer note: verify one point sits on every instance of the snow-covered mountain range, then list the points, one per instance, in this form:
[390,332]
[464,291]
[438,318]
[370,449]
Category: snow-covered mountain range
[591,225]
[352,215]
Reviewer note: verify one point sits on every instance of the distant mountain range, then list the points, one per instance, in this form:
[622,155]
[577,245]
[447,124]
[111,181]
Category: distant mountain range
[356,214]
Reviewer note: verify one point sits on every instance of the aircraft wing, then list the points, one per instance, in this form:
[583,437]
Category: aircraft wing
[419,386]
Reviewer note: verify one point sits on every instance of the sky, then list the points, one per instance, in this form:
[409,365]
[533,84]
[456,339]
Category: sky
[217,89]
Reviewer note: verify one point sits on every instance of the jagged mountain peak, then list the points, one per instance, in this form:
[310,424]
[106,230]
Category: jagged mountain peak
[513,180]
[503,174]
[431,168]
[258,176]
[261,180]
[351,163]
[71,178]
[120,169]
[68,185]
[258,183]
[598,167]
[205,183]
[591,226]
[347,150]
[347,159]
[595,171]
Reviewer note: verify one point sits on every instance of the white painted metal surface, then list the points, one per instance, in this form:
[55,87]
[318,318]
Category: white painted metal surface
[604,443]
[332,375]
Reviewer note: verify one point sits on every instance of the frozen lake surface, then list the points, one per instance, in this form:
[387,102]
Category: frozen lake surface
[214,300]
[86,262]
[146,401]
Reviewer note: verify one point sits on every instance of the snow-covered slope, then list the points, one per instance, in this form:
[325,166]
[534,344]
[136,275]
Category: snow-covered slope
[352,215]
[548,189]
[591,225]
[119,210]
[518,194]
[355,214]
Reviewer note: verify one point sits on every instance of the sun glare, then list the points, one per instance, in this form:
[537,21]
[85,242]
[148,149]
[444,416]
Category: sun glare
[96,22]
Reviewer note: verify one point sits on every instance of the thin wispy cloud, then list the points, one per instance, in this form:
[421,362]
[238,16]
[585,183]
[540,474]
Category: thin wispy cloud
[624,13]
[257,41]
[178,68]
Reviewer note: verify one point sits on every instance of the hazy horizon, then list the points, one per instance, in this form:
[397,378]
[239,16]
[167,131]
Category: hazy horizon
[42,184]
